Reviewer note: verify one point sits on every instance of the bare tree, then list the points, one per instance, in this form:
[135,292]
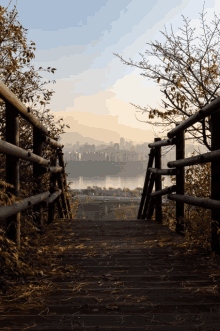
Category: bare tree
[188,76]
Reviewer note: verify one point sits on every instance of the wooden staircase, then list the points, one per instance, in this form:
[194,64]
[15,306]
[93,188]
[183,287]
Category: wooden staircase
[132,275]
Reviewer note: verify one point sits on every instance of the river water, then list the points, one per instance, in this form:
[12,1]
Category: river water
[112,181]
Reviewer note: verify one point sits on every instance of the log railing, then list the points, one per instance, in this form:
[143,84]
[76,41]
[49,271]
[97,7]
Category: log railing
[151,201]
[13,152]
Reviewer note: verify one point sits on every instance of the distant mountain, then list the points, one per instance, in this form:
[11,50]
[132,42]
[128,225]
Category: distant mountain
[73,137]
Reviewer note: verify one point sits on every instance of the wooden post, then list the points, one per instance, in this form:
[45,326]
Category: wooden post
[62,180]
[37,149]
[63,196]
[151,207]
[51,208]
[215,181]
[180,179]
[149,191]
[106,210]
[146,182]
[58,203]
[59,206]
[158,184]
[12,171]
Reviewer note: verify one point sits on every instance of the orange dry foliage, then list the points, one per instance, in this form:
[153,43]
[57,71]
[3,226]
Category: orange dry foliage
[23,80]
[197,220]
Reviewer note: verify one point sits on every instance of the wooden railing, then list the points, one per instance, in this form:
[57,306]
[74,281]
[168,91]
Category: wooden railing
[151,201]
[13,152]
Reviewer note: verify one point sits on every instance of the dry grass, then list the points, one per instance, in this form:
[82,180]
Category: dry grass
[126,212]
[197,222]
[27,275]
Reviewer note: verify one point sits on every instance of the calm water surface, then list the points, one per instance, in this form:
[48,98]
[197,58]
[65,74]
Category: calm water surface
[111,181]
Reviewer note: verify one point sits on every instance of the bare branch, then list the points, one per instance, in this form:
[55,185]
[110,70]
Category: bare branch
[188,77]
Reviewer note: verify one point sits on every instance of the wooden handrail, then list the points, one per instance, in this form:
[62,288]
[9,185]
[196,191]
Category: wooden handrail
[10,98]
[164,191]
[208,110]
[198,159]
[161,143]
[150,201]
[18,206]
[164,171]
[13,152]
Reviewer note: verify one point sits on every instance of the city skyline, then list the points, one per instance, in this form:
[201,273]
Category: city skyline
[122,151]
[123,144]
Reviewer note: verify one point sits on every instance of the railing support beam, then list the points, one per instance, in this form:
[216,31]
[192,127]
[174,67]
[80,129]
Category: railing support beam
[158,185]
[149,190]
[180,178]
[59,206]
[146,182]
[51,207]
[37,149]
[63,178]
[215,181]
[63,195]
[12,171]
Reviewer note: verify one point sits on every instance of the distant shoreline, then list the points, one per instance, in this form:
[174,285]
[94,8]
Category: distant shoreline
[105,168]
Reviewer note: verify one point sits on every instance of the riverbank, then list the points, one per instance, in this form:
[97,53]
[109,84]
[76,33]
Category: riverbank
[107,210]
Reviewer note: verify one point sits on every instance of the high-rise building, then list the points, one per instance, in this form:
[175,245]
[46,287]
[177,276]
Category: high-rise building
[122,143]
[86,147]
[132,148]
[116,147]
[128,144]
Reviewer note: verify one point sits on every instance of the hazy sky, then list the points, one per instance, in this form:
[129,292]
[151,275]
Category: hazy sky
[93,87]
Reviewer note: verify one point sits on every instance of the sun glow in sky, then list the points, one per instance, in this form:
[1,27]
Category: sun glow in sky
[93,87]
